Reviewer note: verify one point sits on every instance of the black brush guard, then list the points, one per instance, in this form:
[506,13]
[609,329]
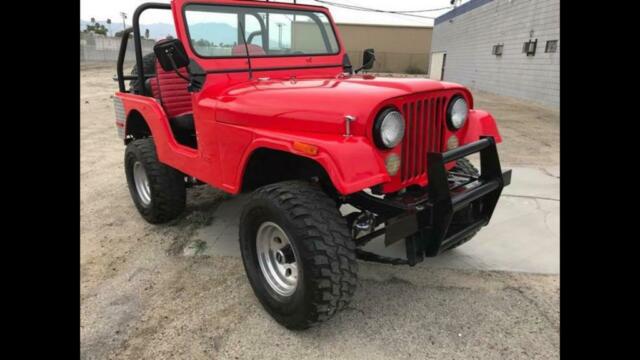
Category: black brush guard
[451,209]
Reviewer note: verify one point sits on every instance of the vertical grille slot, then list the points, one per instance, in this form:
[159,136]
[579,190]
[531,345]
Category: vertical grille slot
[424,133]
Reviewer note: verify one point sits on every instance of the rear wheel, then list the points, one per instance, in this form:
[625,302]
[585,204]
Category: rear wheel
[157,190]
[149,68]
[298,253]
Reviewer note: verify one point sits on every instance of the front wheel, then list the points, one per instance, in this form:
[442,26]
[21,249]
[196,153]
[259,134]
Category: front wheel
[298,253]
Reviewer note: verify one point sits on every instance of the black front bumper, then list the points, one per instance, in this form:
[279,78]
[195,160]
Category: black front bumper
[448,212]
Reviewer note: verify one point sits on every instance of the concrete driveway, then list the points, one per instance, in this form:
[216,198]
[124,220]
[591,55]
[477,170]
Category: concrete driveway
[524,233]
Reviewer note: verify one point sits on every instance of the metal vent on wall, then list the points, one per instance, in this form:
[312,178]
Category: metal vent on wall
[529,47]
[497,50]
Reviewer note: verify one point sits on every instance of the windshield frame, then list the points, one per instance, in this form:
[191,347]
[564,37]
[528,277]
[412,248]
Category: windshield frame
[274,9]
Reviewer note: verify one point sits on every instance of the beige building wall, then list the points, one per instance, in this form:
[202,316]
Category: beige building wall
[398,48]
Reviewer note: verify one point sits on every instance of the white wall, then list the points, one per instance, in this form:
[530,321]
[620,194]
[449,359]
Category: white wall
[102,48]
[468,39]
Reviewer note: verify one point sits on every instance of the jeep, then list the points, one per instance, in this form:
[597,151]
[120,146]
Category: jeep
[333,156]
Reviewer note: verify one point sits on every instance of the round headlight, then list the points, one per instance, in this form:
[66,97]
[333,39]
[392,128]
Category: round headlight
[457,112]
[388,129]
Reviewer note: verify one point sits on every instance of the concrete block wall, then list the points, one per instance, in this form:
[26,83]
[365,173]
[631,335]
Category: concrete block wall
[467,35]
[102,48]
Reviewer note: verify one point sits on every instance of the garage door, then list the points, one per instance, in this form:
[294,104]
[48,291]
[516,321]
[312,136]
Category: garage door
[436,71]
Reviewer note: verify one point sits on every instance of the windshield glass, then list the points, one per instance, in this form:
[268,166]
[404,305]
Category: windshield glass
[215,31]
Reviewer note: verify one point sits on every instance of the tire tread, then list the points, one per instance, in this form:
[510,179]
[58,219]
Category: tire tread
[328,241]
[166,184]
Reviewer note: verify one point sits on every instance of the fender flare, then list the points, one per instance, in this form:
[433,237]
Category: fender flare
[480,123]
[363,167]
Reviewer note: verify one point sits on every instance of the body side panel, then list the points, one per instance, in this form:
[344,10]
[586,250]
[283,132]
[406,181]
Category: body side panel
[180,157]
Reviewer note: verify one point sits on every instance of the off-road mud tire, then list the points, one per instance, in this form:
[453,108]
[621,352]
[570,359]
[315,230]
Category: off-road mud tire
[166,185]
[324,250]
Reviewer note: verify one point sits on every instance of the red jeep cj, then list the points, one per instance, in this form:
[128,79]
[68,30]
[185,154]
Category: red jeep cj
[261,96]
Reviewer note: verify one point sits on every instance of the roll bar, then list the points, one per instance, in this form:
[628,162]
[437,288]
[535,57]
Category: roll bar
[137,47]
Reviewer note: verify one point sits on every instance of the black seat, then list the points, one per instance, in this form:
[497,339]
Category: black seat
[184,122]
[184,130]
[148,88]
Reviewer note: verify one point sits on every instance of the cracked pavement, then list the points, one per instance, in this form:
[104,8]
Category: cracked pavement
[178,291]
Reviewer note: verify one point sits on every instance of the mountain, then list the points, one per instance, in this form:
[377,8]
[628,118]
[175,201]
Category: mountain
[214,31]
[158,30]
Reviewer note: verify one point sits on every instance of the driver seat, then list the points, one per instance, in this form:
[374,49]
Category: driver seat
[171,91]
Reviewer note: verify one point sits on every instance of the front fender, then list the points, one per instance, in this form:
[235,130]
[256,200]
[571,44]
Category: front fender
[351,163]
[480,123]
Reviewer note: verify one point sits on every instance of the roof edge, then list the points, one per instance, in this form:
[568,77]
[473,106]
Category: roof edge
[466,7]
[386,25]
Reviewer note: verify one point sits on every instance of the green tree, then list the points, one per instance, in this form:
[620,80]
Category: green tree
[203,42]
[96,28]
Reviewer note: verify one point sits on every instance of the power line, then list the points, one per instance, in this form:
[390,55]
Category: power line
[428,10]
[392,11]
[397,12]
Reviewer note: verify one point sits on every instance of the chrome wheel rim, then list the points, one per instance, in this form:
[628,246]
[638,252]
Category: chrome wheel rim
[277,259]
[142,183]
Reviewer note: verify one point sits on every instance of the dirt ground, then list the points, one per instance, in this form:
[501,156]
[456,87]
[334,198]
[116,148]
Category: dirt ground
[141,298]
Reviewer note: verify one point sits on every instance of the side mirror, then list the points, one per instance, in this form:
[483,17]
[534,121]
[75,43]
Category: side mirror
[368,58]
[171,54]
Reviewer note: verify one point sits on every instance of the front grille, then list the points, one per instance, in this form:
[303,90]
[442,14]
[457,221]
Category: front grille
[425,121]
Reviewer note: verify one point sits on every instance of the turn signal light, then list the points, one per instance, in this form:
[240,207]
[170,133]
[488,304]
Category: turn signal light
[305,148]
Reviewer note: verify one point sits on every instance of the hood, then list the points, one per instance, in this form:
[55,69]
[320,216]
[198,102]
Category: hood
[315,104]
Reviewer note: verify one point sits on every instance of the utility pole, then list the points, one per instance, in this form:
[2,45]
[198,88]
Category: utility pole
[124,20]
[109,23]
[280,34]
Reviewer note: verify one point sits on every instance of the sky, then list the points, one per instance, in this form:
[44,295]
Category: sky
[101,10]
